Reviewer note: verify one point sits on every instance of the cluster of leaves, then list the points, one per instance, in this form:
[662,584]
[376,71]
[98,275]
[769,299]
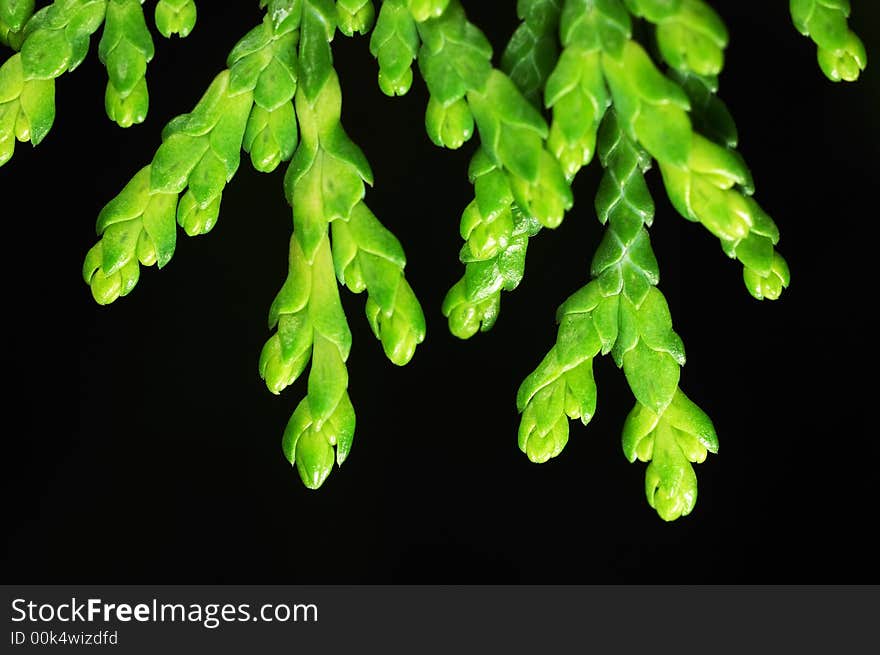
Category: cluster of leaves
[579,61]
[279,100]
[56,39]
[573,82]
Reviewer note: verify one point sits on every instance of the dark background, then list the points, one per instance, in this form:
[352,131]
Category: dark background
[141,446]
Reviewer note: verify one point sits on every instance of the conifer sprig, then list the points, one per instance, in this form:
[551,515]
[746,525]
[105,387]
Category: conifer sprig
[56,39]
[840,51]
[622,312]
[248,105]
[325,185]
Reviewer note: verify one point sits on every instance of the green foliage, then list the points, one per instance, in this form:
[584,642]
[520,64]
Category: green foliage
[125,48]
[521,174]
[841,52]
[395,43]
[532,51]
[14,14]
[279,100]
[55,40]
[175,17]
[325,186]
[354,16]
[621,312]
[574,82]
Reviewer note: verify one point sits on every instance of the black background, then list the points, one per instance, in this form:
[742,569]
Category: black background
[140,444]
